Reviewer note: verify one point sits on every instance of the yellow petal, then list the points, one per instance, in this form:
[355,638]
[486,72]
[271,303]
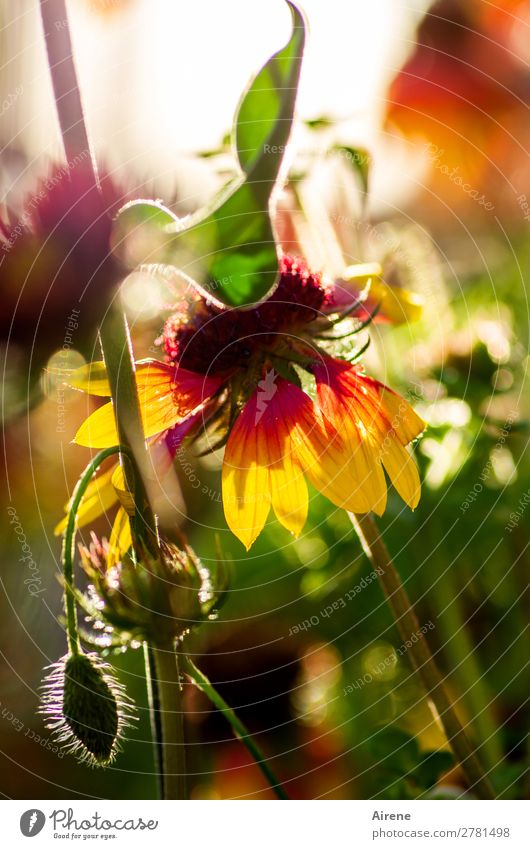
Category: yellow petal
[368,474]
[404,420]
[402,471]
[124,495]
[245,485]
[99,497]
[99,429]
[289,493]
[362,273]
[120,538]
[92,379]
[399,305]
[325,458]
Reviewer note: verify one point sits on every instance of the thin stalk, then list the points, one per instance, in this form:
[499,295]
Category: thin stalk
[172,721]
[238,727]
[154,716]
[420,653]
[64,79]
[68,552]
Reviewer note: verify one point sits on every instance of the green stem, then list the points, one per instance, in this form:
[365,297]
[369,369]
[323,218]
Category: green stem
[172,721]
[420,653]
[240,730]
[119,361]
[68,552]
[154,716]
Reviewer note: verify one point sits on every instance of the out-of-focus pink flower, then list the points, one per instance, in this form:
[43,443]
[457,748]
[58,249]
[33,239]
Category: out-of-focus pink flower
[57,274]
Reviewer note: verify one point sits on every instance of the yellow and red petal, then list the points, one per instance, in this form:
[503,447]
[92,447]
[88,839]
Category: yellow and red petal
[166,395]
[325,457]
[245,480]
[406,423]
[289,495]
[262,453]
[402,471]
[361,408]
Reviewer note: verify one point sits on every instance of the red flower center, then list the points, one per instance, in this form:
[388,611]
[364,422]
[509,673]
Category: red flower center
[205,338]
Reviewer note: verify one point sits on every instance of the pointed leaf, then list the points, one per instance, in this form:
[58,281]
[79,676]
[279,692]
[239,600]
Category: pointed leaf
[265,113]
[228,249]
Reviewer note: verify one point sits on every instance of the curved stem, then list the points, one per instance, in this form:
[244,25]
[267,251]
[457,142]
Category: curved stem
[68,552]
[240,730]
[420,653]
[172,721]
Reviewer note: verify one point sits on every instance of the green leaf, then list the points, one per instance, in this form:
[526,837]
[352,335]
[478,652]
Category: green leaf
[396,749]
[228,249]
[431,766]
[265,113]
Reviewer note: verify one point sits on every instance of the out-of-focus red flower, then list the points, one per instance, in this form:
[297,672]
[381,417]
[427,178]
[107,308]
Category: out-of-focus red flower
[466,91]
[57,275]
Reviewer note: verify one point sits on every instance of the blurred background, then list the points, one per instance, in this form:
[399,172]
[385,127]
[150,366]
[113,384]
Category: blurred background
[304,647]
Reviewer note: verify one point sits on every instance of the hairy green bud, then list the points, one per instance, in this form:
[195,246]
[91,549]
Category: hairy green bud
[86,707]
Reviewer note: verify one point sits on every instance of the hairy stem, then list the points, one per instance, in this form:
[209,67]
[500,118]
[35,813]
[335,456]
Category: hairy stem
[420,653]
[172,721]
[68,552]
[240,730]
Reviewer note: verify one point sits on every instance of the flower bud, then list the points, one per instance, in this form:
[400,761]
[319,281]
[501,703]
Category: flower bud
[86,707]
[157,598]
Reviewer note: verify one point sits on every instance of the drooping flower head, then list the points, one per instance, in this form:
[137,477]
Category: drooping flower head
[264,383]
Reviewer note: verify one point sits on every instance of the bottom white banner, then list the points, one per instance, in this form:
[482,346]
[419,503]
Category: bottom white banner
[311,825]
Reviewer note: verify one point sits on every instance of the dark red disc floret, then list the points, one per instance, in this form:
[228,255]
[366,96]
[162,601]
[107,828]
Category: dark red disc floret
[206,338]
